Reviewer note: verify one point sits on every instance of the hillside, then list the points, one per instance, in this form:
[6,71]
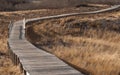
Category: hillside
[89,42]
[106,45]
[6,65]
[8,5]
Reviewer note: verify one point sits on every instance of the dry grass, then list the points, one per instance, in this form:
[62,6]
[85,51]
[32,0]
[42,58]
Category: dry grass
[90,42]
[6,65]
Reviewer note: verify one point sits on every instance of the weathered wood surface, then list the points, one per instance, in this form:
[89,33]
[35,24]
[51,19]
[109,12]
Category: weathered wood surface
[36,61]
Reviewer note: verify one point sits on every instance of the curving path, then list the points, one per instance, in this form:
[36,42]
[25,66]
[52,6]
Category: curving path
[35,61]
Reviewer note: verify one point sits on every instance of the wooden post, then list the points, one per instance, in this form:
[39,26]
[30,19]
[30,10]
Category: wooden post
[27,73]
[21,67]
[24,23]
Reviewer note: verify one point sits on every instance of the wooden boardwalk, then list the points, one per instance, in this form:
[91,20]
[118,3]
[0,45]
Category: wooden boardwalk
[36,61]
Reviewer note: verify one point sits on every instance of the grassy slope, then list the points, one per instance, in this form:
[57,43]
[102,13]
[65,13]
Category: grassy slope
[6,65]
[89,42]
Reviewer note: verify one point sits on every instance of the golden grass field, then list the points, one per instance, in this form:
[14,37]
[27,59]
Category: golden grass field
[6,65]
[89,42]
